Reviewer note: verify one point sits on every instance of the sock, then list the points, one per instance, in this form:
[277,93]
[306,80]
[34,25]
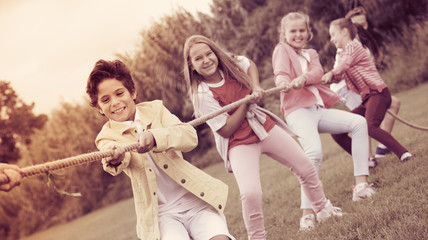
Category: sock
[381,146]
[405,155]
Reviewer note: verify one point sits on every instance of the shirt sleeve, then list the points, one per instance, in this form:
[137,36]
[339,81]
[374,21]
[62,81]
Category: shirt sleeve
[105,143]
[315,71]
[243,62]
[343,61]
[172,134]
[208,104]
[281,65]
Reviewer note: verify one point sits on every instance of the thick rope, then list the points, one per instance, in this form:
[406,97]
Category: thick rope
[95,156]
[407,122]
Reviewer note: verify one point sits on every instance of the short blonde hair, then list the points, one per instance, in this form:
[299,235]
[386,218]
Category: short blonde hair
[294,16]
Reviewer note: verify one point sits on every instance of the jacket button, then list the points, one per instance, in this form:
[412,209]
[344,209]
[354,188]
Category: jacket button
[154,193]
[165,166]
[219,206]
[150,169]
[135,131]
[202,194]
[183,180]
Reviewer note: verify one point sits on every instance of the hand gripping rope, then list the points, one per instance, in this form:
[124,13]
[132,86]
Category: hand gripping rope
[94,156]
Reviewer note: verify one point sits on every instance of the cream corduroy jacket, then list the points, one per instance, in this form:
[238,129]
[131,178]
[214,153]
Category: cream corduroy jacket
[172,137]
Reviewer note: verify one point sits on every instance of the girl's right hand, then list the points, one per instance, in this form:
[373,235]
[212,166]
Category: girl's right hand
[326,78]
[286,87]
[258,92]
[298,82]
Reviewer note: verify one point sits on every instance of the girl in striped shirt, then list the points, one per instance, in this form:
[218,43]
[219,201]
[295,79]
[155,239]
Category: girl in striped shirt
[362,77]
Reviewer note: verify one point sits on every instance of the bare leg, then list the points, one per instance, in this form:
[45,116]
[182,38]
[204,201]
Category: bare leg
[388,122]
[308,211]
[220,237]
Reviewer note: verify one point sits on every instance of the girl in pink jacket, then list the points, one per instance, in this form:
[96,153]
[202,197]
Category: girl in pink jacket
[306,106]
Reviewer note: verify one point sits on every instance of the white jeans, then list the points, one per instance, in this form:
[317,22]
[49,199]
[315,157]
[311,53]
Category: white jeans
[309,122]
[201,221]
[351,99]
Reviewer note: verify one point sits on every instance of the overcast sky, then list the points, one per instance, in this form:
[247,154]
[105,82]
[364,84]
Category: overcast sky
[48,47]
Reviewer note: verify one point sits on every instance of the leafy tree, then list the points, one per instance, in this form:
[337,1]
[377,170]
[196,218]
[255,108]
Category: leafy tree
[157,64]
[17,123]
[250,5]
[388,20]
[71,131]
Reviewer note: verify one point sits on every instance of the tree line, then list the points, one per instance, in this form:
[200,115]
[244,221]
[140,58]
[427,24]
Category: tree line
[244,27]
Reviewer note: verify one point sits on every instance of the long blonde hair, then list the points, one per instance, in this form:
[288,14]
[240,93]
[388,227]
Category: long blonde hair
[225,63]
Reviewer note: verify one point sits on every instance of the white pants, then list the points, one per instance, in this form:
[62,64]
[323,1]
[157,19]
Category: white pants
[351,99]
[201,222]
[309,122]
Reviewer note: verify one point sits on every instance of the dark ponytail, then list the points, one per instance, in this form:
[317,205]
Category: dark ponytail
[369,42]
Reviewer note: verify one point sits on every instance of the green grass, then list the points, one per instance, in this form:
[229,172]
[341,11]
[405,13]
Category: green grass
[398,210]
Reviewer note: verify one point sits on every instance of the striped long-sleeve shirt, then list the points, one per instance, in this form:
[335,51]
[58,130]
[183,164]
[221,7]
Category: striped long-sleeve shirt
[358,69]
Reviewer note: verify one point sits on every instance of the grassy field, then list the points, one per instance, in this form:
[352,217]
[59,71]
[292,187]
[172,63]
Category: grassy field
[398,210]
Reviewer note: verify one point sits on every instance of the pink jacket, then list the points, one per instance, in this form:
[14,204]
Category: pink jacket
[286,67]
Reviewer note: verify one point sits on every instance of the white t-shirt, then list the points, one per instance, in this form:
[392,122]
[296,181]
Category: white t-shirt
[171,196]
[208,104]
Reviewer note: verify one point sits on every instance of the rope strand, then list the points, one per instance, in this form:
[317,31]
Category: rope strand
[407,122]
[94,156]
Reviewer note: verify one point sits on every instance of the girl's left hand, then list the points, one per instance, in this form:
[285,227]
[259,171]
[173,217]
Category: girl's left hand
[298,82]
[258,92]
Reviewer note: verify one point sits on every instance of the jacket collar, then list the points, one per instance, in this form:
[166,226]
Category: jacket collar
[122,127]
[294,58]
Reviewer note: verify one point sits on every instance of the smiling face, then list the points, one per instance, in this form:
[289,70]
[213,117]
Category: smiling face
[339,37]
[115,101]
[204,61]
[296,33]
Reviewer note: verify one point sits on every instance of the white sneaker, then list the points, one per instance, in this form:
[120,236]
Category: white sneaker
[328,211]
[307,222]
[362,191]
[372,162]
